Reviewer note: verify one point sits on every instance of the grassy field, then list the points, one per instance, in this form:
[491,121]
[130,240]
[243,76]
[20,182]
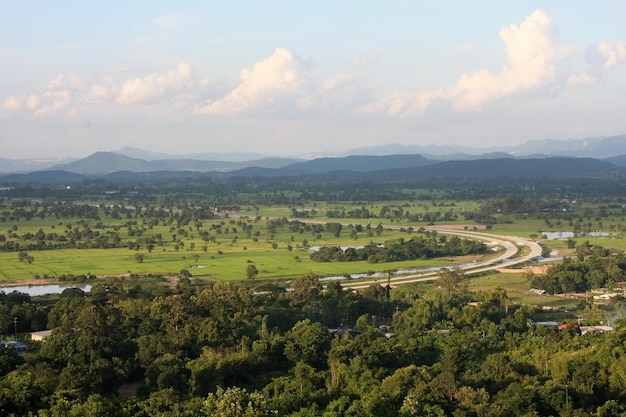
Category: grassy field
[282,254]
[278,255]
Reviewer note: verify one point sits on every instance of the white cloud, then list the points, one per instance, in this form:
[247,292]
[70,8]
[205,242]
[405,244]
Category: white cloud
[582,78]
[56,83]
[157,85]
[280,76]
[12,103]
[533,59]
[32,102]
[403,104]
[58,99]
[605,56]
[99,91]
[168,21]
[615,53]
[339,82]
[534,62]
[51,101]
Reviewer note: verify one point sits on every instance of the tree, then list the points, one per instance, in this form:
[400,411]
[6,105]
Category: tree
[251,271]
[139,257]
[307,341]
[306,289]
[23,256]
[237,402]
[453,281]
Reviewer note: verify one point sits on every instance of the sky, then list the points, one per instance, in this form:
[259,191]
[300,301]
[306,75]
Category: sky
[293,78]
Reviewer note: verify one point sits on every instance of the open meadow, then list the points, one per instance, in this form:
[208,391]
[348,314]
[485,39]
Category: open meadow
[218,248]
[120,240]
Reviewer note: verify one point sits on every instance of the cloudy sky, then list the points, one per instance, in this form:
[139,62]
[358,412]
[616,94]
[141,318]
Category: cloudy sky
[299,77]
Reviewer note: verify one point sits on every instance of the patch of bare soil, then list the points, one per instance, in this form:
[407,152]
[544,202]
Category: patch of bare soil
[539,270]
[28,282]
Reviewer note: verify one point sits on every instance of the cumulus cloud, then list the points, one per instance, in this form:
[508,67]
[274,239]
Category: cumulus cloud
[280,76]
[61,93]
[605,56]
[68,95]
[32,102]
[534,62]
[403,104]
[55,97]
[12,103]
[582,78]
[156,85]
[614,53]
[99,91]
[533,59]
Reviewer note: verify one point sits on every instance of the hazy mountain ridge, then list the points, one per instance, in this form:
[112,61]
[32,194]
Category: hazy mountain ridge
[359,163]
[611,149]
[556,167]
[107,162]
[619,160]
[593,147]
[30,165]
[204,156]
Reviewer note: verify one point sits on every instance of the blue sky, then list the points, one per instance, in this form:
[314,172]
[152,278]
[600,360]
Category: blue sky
[295,77]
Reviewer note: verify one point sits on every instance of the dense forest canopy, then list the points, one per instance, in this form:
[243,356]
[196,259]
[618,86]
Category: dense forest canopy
[194,351]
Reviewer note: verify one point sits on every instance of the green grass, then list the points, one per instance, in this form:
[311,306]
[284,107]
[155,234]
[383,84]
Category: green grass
[224,259]
[228,257]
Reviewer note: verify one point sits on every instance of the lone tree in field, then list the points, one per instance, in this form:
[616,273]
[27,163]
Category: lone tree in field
[251,271]
[139,257]
[23,256]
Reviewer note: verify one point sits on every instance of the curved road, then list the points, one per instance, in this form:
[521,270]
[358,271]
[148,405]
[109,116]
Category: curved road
[512,245]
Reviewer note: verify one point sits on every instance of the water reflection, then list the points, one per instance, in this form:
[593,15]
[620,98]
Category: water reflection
[35,290]
[569,235]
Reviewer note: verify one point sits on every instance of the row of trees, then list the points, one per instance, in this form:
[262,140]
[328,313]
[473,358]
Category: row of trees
[422,247]
[227,350]
[598,269]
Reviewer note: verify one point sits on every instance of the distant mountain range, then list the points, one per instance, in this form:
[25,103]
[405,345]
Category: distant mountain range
[118,168]
[608,153]
[107,162]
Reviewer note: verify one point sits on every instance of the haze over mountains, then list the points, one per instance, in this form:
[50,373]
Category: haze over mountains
[611,151]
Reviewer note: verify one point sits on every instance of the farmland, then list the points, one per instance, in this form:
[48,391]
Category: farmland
[201,299]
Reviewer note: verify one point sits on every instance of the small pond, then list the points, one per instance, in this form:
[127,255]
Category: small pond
[34,290]
[568,235]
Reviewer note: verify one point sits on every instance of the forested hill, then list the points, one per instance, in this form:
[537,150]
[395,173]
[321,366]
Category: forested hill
[482,168]
[101,163]
[359,163]
[510,167]
[379,168]
[617,160]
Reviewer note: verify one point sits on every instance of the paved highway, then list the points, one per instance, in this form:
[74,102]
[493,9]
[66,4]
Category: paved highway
[513,247]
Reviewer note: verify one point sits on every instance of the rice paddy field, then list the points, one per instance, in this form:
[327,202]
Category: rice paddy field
[222,248]
[279,254]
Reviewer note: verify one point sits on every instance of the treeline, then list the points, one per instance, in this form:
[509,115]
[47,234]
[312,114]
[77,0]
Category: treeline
[593,268]
[302,189]
[227,350]
[419,247]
